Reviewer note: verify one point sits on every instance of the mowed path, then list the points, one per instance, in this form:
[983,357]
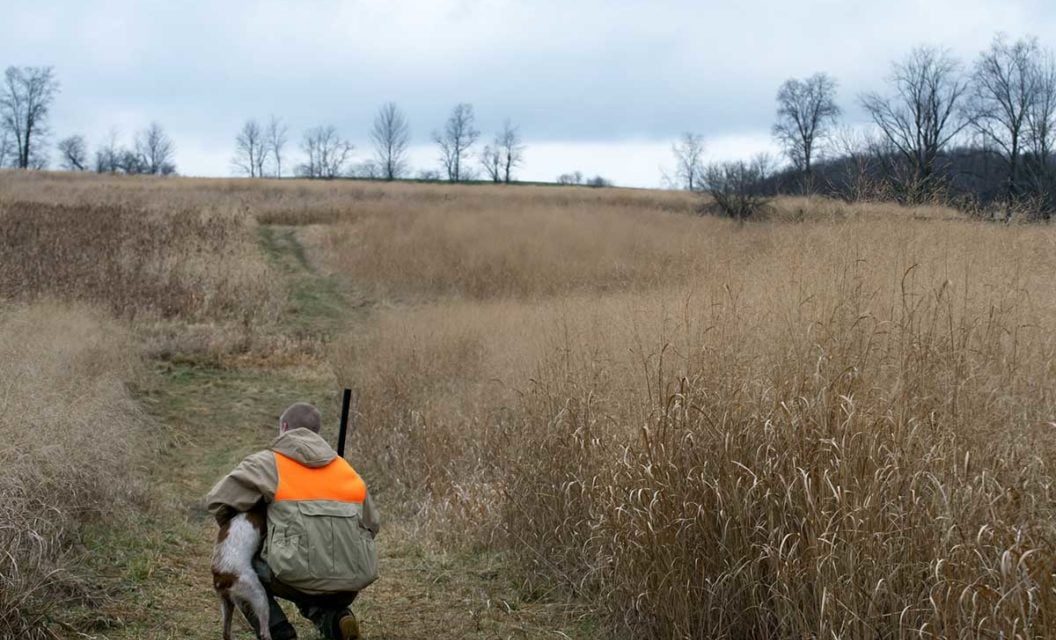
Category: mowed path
[208,418]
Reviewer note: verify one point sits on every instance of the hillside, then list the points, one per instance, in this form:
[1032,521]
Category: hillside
[584,412]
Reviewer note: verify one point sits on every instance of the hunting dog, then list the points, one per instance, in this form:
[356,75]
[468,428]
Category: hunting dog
[235,580]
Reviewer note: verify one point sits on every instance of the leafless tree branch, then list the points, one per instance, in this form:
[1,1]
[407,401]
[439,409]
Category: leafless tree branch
[25,102]
[806,115]
[924,113]
[74,153]
[390,136]
[456,140]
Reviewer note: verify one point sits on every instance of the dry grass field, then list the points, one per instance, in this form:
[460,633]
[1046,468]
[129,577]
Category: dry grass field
[835,422]
[841,427]
[68,435]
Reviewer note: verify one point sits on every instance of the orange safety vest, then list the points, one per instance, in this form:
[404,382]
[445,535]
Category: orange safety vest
[336,481]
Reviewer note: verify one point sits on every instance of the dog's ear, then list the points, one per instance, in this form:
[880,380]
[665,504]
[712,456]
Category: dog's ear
[221,535]
[224,514]
[258,517]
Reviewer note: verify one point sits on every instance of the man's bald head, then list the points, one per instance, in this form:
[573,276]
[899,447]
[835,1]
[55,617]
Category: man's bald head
[300,416]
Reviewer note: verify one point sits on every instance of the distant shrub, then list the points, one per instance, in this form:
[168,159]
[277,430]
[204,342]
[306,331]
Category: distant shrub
[575,177]
[738,189]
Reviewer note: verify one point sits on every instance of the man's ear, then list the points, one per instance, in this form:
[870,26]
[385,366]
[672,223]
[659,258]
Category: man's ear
[284,427]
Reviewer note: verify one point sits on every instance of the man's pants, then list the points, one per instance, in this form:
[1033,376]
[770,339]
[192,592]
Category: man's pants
[323,610]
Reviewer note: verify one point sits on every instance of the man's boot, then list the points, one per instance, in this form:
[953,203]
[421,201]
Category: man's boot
[333,624]
[347,627]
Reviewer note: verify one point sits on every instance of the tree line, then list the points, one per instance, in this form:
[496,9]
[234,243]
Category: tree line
[25,105]
[260,150]
[978,136]
[28,93]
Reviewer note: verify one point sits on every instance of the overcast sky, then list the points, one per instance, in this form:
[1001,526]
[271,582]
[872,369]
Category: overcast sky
[600,87]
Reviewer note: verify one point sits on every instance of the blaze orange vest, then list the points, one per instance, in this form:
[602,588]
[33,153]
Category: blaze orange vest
[336,481]
[316,539]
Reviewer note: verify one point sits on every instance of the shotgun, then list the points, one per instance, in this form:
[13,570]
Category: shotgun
[342,430]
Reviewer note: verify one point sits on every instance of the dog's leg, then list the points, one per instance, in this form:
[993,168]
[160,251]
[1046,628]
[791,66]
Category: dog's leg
[259,602]
[254,605]
[227,609]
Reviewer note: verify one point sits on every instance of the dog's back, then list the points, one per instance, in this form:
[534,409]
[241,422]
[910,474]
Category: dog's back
[234,578]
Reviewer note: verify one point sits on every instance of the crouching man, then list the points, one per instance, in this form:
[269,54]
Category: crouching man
[319,550]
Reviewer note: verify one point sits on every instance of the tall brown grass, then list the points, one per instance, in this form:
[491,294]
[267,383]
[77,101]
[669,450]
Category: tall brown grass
[483,245]
[157,262]
[303,202]
[186,271]
[832,429]
[69,432]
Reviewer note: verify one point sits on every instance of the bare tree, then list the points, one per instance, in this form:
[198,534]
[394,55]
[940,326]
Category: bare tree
[689,161]
[155,150]
[326,153]
[1003,90]
[806,115]
[24,104]
[275,143]
[108,155]
[491,160]
[1041,136]
[923,115]
[390,136]
[74,153]
[510,149]
[456,140]
[503,155]
[251,150]
[1041,116]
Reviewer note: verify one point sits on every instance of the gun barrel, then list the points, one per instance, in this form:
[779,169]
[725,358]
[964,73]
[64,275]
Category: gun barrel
[342,432]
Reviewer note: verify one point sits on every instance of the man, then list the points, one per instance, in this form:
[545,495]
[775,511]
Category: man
[319,550]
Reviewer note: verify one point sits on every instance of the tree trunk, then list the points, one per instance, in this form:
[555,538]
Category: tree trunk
[23,153]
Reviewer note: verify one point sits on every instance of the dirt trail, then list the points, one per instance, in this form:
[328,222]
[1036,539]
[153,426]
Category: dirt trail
[209,418]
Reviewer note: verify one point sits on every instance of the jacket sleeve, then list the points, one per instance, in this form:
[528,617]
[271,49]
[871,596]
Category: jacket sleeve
[253,480]
[371,518]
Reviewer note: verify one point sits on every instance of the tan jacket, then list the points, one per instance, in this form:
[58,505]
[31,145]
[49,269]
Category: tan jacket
[315,543]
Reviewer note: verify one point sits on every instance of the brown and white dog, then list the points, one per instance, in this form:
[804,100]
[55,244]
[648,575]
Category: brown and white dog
[234,578]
